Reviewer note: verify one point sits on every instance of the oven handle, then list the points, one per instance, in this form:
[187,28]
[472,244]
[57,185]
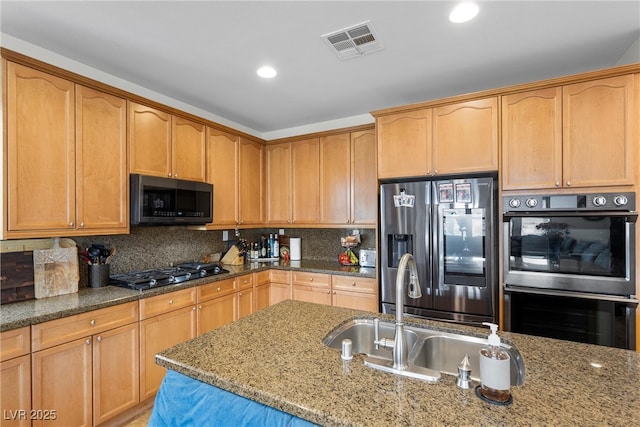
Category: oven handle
[629,216]
[585,295]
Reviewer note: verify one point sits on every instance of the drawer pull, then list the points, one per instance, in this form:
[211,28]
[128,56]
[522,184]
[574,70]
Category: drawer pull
[171,301]
[311,279]
[353,283]
[88,341]
[99,339]
[92,323]
[218,289]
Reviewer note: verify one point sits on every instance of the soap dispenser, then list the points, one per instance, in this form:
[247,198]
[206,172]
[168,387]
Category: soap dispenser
[495,371]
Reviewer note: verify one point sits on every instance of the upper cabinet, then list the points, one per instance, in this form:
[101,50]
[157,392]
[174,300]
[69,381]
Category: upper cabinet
[251,172]
[454,138]
[364,181]
[335,179]
[222,172]
[305,177]
[165,145]
[278,183]
[66,157]
[579,135]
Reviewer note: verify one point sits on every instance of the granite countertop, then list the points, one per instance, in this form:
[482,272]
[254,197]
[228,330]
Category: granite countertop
[276,357]
[24,313]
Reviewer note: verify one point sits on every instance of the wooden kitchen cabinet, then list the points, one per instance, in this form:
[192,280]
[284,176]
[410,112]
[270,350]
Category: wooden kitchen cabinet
[311,287]
[188,158]
[164,145]
[364,181]
[278,183]
[165,320]
[86,366]
[578,135]
[532,139]
[15,376]
[305,176]
[404,140]
[251,182]
[335,179]
[222,172]
[355,292]
[217,304]
[66,151]
[280,287]
[246,296]
[262,289]
[465,137]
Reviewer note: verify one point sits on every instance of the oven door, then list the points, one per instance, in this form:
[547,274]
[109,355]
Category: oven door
[589,318]
[573,251]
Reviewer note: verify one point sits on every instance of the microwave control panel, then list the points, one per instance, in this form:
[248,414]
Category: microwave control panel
[571,202]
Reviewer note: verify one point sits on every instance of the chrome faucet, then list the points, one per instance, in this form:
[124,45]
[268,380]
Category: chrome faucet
[399,342]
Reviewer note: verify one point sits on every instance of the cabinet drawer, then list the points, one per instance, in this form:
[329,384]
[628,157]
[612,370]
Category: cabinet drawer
[15,343]
[159,304]
[262,277]
[312,279]
[54,332]
[216,289]
[280,276]
[356,284]
[245,282]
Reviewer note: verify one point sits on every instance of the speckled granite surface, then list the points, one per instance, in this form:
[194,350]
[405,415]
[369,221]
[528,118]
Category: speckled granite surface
[276,357]
[16,315]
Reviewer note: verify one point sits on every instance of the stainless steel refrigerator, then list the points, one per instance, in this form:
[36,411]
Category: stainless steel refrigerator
[450,226]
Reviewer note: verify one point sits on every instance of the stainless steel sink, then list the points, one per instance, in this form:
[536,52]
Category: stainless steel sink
[444,352]
[428,349]
[361,334]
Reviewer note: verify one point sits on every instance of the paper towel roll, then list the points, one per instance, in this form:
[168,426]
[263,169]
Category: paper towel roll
[294,248]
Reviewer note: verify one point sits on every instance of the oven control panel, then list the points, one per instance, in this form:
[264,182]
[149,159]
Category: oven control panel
[571,202]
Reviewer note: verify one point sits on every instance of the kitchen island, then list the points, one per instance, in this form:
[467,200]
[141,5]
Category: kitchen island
[276,357]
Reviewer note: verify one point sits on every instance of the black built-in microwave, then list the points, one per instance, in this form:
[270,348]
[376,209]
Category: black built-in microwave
[168,201]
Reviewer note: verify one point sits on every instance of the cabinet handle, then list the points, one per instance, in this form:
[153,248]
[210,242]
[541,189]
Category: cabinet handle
[199,307]
[328,292]
[92,323]
[88,341]
[353,283]
[194,308]
[99,339]
[311,279]
[435,171]
[82,225]
[239,294]
[169,174]
[218,289]
[71,225]
[568,183]
[171,301]
[175,175]
[557,184]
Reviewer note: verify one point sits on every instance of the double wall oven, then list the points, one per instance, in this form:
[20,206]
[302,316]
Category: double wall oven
[570,267]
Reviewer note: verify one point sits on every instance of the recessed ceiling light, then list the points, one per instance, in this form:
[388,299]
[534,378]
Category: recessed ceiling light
[267,72]
[463,12]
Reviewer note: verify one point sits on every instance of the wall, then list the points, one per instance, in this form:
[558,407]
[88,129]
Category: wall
[155,247]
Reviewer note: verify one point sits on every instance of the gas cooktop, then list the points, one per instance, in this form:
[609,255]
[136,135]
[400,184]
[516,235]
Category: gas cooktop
[150,279]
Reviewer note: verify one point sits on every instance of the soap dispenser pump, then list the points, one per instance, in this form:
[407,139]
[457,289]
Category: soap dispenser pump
[495,371]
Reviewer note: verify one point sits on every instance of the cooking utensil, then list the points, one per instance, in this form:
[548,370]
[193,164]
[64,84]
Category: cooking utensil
[112,252]
[94,254]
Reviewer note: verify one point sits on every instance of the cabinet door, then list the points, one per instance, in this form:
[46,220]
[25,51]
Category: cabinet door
[222,172]
[278,188]
[403,143]
[305,174]
[149,141]
[245,302]
[355,300]
[599,136]
[251,182]
[101,161]
[15,389]
[465,137]
[188,149]
[62,380]
[335,179]
[217,312]
[532,139]
[262,296]
[364,181]
[279,292]
[159,333]
[116,376]
[40,151]
[312,294]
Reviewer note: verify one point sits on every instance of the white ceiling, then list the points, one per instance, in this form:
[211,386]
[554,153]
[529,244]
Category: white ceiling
[205,53]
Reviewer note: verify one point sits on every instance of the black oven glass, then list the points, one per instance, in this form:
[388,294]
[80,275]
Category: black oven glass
[583,245]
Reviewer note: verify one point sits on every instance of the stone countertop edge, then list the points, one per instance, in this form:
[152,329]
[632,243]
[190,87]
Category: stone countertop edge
[25,313]
[276,357]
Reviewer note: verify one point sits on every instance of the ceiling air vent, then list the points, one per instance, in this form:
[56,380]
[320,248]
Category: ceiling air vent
[353,41]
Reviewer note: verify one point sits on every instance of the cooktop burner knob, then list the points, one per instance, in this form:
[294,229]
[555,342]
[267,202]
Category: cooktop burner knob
[532,203]
[599,201]
[203,273]
[620,200]
[152,282]
[514,203]
[172,279]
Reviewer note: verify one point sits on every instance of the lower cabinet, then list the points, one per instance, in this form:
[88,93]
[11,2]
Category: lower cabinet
[15,377]
[217,304]
[279,286]
[311,287]
[342,291]
[246,296]
[165,320]
[262,289]
[85,367]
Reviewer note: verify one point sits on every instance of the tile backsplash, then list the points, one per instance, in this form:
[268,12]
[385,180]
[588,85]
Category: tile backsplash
[155,247]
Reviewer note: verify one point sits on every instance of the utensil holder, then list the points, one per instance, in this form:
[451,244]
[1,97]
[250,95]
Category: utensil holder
[98,275]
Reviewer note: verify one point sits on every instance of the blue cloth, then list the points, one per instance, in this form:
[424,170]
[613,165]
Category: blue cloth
[183,401]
